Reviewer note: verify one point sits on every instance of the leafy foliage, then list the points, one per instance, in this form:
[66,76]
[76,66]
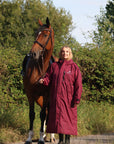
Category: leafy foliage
[110,11]
[97,71]
[105,26]
[18,25]
[19,22]
[11,87]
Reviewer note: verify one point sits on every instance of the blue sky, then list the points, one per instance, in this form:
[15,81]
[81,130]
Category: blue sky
[83,13]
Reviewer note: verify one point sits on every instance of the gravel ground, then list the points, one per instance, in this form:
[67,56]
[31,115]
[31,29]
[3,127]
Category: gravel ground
[90,139]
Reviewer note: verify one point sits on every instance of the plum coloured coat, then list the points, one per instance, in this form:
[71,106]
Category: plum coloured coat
[65,80]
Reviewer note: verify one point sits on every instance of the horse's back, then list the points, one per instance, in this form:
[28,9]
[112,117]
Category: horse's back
[55,59]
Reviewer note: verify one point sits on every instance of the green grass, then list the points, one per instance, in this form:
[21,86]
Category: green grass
[93,118]
[14,123]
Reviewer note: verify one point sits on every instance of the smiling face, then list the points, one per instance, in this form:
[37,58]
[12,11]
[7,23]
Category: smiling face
[65,53]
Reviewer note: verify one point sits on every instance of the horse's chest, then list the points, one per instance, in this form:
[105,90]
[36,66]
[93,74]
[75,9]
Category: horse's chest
[33,75]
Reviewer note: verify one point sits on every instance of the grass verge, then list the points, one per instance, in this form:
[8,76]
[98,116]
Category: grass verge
[93,118]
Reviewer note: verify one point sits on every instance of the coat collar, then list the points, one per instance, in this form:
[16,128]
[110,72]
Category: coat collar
[65,61]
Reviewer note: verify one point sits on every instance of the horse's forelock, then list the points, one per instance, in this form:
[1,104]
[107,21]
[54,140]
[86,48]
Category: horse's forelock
[43,27]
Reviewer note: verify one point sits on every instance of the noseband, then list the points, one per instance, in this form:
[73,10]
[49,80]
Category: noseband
[44,47]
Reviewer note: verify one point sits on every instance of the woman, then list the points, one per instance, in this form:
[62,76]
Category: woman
[65,79]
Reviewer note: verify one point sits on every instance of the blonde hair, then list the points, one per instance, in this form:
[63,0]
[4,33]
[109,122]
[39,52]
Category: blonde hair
[70,52]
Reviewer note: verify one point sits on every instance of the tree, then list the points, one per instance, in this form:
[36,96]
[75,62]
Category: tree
[97,64]
[110,11]
[105,26]
[19,23]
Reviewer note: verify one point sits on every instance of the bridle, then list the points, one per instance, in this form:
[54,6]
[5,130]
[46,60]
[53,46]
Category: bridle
[44,47]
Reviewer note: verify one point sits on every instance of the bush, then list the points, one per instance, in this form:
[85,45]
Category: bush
[97,71]
[11,84]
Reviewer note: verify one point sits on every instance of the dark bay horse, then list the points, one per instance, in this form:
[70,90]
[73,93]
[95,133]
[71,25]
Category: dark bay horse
[36,64]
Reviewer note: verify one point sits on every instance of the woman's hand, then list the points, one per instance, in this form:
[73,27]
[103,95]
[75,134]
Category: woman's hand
[41,81]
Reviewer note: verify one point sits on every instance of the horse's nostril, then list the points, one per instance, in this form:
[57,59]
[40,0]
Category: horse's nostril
[34,54]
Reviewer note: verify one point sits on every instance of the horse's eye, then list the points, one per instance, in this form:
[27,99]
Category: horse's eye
[45,35]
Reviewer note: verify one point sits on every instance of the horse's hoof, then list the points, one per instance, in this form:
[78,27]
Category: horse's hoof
[28,142]
[41,142]
[53,140]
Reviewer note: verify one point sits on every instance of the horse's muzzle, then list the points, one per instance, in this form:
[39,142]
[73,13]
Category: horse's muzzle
[36,55]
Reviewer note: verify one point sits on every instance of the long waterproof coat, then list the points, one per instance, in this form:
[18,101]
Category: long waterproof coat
[66,88]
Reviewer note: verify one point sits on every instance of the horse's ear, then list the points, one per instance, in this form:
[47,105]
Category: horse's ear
[47,22]
[40,23]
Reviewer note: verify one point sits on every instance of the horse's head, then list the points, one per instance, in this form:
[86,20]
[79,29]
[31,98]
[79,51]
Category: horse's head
[44,42]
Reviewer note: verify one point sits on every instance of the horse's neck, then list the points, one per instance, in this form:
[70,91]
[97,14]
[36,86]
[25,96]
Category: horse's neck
[39,69]
[46,63]
[44,66]
[47,58]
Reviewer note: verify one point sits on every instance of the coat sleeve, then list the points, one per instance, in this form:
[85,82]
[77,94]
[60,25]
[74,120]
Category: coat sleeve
[48,76]
[77,87]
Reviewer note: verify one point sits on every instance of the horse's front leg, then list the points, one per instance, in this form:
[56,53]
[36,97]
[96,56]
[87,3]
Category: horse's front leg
[31,118]
[42,117]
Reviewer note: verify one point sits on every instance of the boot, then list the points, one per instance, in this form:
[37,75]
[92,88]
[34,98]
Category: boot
[67,139]
[61,139]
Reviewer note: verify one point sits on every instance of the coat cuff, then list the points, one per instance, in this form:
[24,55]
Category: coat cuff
[44,82]
[75,102]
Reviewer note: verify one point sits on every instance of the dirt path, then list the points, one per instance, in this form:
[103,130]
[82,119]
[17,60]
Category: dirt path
[90,139]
